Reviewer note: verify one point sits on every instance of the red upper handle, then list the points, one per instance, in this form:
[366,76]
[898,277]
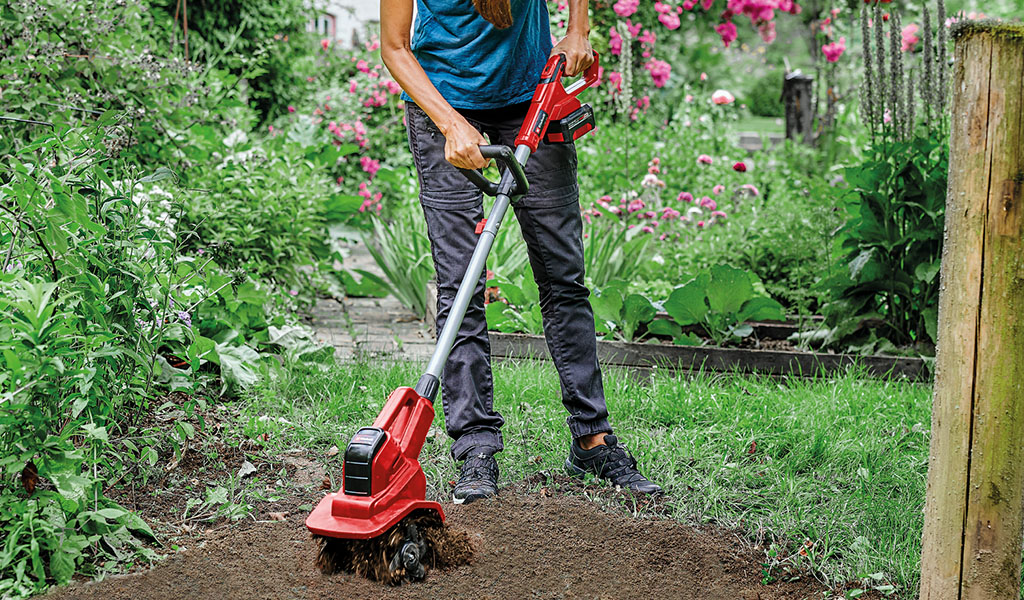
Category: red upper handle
[552,101]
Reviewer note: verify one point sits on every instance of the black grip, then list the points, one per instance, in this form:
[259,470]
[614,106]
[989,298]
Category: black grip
[506,159]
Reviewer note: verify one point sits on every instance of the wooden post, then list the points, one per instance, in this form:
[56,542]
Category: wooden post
[797,99]
[975,499]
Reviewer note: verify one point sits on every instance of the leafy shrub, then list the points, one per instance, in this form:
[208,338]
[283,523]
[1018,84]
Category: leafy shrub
[764,98]
[272,31]
[265,207]
[887,294]
[89,281]
[139,253]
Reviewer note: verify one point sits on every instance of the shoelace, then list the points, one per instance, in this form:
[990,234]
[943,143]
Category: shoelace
[478,467]
[620,464]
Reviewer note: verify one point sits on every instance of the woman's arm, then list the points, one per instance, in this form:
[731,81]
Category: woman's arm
[462,140]
[576,43]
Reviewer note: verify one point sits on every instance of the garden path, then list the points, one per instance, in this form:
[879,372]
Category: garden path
[371,327]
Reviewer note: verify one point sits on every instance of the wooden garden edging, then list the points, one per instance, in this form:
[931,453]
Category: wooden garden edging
[731,360]
[974,508]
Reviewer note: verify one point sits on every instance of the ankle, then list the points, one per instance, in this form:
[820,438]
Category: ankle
[589,442]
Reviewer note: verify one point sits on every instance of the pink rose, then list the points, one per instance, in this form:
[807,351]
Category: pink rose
[660,71]
[728,33]
[614,42]
[704,159]
[910,39]
[834,50]
[721,97]
[625,8]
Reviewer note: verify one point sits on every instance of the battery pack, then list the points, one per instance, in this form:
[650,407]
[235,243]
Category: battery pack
[572,127]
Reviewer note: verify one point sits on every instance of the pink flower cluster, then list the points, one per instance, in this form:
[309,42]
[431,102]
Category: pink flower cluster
[339,132]
[668,15]
[370,200]
[645,210]
[660,71]
[910,37]
[834,50]
[625,8]
[760,12]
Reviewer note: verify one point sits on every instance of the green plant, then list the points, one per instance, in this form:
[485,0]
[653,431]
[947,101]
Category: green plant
[720,302]
[59,384]
[764,98]
[619,313]
[885,298]
[269,32]
[611,252]
[892,242]
[265,208]
[518,305]
[401,249]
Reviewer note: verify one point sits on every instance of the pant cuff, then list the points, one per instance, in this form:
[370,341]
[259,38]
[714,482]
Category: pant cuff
[483,441]
[579,429]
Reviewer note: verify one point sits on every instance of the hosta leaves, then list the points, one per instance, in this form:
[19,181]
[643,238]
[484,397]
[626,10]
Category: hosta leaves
[237,364]
[728,289]
[635,310]
[761,309]
[686,304]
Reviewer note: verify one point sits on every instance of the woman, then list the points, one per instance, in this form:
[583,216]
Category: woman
[468,69]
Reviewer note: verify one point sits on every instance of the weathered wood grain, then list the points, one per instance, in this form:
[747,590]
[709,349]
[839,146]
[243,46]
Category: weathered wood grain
[975,495]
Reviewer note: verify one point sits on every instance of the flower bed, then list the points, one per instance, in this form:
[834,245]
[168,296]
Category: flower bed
[709,358]
[659,352]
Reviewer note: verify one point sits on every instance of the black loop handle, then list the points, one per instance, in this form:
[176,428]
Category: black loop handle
[506,159]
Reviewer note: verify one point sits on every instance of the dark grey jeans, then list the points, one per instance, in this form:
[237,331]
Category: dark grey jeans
[549,217]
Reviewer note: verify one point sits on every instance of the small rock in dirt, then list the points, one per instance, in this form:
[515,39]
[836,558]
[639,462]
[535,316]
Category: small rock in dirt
[333,451]
[279,516]
[246,470]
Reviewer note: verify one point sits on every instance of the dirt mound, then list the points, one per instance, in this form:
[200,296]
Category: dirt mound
[529,544]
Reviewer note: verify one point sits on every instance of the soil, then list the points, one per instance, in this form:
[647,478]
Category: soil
[529,542]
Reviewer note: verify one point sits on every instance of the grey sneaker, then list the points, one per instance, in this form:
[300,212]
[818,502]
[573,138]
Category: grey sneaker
[610,462]
[479,479]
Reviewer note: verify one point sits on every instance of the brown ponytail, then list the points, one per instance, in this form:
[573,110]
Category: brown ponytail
[497,12]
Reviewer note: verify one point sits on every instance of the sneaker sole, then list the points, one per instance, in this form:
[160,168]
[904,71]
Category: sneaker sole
[471,498]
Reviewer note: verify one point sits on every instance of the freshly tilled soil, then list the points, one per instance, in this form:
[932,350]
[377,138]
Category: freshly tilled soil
[528,544]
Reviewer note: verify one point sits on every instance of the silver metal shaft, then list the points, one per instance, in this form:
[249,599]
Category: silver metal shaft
[446,339]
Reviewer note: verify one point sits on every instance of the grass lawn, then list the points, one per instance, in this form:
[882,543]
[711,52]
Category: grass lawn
[834,467]
[762,125]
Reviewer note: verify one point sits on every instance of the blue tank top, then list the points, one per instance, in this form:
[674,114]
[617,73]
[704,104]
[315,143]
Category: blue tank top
[474,64]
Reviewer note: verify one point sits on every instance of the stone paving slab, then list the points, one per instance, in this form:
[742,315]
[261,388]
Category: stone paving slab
[371,327]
